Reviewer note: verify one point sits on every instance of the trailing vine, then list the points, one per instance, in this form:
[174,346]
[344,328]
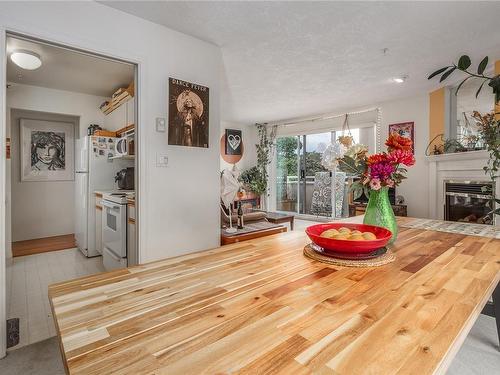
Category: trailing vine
[265,149]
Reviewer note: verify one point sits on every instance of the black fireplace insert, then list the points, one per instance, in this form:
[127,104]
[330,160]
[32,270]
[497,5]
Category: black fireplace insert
[468,201]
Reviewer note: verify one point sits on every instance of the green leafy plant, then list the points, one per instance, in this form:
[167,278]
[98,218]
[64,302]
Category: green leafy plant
[253,180]
[489,131]
[264,153]
[463,65]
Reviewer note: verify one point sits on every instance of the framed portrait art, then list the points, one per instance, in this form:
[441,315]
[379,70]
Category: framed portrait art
[404,129]
[47,150]
[188,117]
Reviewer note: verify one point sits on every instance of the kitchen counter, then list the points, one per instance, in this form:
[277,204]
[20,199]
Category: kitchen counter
[262,307]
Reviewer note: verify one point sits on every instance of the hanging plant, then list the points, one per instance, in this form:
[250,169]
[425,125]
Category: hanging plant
[463,65]
[265,149]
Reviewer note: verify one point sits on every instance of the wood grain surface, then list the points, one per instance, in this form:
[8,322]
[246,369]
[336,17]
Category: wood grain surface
[261,307]
[43,245]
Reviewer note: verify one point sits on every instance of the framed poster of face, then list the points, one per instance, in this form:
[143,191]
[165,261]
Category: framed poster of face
[47,150]
[404,129]
[188,105]
[234,142]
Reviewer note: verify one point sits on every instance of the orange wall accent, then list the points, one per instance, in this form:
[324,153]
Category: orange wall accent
[436,115]
[497,105]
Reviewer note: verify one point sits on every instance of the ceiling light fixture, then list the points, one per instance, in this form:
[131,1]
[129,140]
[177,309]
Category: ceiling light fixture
[26,59]
[399,79]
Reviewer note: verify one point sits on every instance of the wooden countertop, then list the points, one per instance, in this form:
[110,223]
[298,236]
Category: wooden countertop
[262,307]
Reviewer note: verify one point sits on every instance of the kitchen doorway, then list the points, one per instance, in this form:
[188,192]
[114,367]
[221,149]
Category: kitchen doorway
[72,172]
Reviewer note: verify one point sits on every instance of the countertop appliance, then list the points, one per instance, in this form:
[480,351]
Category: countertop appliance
[114,230]
[122,147]
[125,178]
[94,171]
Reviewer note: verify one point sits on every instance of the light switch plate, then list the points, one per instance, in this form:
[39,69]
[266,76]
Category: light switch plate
[161,160]
[161,125]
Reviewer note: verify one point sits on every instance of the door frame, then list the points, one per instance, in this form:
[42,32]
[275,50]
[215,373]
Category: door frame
[75,43]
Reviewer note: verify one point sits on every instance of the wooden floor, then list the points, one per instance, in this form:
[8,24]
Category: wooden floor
[261,307]
[43,245]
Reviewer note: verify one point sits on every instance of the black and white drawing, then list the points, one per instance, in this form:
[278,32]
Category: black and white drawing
[234,142]
[47,150]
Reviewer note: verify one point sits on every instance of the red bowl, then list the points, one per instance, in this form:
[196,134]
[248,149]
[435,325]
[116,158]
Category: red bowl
[349,246]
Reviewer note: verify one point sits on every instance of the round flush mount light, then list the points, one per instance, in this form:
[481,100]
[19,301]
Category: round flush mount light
[26,59]
[400,79]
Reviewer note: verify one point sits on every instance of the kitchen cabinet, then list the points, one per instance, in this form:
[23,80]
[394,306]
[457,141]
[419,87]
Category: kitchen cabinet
[120,117]
[98,222]
[132,255]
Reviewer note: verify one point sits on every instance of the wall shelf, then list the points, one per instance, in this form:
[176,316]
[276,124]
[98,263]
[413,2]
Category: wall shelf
[120,97]
[123,157]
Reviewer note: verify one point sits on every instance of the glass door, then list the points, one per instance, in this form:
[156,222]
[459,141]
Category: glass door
[313,195]
[297,165]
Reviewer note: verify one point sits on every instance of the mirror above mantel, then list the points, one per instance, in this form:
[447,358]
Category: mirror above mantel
[462,126]
[451,126]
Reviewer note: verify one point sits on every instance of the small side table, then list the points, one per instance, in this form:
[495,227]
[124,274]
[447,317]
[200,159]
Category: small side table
[279,218]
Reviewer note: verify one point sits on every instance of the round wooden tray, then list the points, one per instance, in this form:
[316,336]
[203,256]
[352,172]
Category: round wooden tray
[375,259]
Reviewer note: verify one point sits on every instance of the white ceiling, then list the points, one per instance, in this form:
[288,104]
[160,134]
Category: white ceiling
[68,70]
[291,59]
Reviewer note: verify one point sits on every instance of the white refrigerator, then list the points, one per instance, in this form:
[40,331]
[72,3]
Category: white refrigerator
[94,171]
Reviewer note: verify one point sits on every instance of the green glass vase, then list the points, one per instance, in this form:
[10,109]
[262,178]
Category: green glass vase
[379,212]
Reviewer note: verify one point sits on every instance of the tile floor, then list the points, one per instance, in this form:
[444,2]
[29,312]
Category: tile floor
[28,278]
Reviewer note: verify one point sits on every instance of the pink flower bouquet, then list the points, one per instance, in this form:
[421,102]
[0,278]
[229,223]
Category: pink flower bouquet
[386,169]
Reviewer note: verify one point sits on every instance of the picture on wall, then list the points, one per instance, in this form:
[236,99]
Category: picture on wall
[234,142]
[188,118]
[404,129]
[47,150]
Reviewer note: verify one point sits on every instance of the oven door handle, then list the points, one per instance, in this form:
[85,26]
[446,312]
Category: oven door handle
[110,205]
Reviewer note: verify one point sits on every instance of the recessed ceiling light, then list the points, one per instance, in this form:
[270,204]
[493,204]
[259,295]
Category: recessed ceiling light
[399,79]
[26,59]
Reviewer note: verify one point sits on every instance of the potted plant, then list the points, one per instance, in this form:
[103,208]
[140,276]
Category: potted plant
[377,173]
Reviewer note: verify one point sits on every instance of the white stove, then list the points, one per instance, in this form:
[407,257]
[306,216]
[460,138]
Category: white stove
[119,197]
[114,228]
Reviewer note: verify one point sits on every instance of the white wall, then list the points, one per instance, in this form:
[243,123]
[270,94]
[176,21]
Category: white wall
[176,201]
[30,216]
[178,206]
[415,188]
[38,208]
[250,139]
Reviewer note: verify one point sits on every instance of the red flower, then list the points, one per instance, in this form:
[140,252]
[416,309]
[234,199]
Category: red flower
[402,157]
[396,142]
[376,158]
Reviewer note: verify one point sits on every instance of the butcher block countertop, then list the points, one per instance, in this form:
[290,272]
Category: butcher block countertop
[261,307]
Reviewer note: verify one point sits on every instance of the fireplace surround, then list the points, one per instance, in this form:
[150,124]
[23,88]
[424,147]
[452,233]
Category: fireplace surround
[460,167]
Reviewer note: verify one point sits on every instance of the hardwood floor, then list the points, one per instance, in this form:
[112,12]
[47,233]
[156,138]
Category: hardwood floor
[43,245]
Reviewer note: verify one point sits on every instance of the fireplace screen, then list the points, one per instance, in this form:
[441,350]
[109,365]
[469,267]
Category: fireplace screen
[468,201]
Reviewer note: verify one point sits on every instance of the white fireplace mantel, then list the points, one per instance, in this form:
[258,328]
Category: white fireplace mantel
[462,166]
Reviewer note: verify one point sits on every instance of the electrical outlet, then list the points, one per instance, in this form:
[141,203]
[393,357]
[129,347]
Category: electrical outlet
[161,125]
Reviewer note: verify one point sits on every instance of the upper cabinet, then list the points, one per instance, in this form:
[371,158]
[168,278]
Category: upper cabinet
[120,109]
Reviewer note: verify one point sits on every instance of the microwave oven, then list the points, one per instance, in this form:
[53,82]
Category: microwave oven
[122,147]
